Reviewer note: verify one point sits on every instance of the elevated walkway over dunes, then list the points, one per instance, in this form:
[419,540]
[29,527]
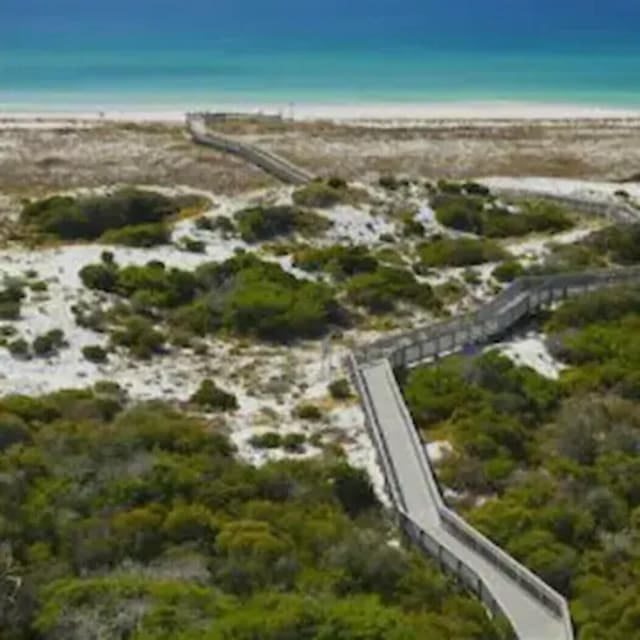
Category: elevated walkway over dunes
[534,610]
[269,162]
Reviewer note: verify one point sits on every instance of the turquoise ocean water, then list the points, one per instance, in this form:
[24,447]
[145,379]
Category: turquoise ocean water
[168,54]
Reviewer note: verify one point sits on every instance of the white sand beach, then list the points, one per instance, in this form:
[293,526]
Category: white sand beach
[380,114]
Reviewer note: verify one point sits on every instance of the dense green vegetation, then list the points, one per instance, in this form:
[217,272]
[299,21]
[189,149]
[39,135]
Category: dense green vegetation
[367,282]
[268,222]
[136,523]
[243,295]
[11,296]
[326,193]
[475,214]
[618,244]
[560,457]
[459,252]
[128,216]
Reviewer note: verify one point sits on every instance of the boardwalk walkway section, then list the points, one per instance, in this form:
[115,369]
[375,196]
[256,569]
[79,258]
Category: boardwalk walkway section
[269,162]
[507,588]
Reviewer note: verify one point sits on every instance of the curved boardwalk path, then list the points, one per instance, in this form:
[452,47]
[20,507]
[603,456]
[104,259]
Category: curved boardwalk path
[534,610]
[269,162]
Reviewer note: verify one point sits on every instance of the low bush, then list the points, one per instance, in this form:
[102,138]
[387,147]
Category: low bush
[340,389]
[340,261]
[268,440]
[89,218]
[49,344]
[95,354]
[11,297]
[139,336]
[308,412]
[19,348]
[142,235]
[294,442]
[212,397]
[460,252]
[474,215]
[321,195]
[508,271]
[379,292]
[192,245]
[619,242]
[244,295]
[265,223]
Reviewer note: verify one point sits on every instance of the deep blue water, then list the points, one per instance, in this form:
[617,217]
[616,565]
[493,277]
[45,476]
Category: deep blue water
[169,53]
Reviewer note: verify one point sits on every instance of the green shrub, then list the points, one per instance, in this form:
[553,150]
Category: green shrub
[268,440]
[460,252]
[620,242]
[294,442]
[193,246]
[320,195]
[243,294]
[265,223]
[49,344]
[210,396]
[308,412]
[89,218]
[340,389]
[19,348]
[471,214]
[11,297]
[102,277]
[139,336]
[339,261]
[379,292]
[142,235]
[389,182]
[95,354]
[508,271]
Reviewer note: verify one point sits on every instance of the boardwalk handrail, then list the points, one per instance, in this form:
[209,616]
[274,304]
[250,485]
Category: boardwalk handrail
[269,162]
[524,296]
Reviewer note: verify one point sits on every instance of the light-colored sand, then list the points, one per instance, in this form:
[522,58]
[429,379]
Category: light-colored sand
[378,114]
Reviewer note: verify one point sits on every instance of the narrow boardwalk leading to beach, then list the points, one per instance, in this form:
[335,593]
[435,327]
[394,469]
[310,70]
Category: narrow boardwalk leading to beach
[534,610]
[269,162]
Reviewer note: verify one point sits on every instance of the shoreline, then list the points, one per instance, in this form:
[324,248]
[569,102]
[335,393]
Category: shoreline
[372,113]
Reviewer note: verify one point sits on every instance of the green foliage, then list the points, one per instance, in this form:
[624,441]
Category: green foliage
[473,214]
[49,344]
[619,242]
[603,306]
[212,397]
[268,222]
[340,389]
[243,295]
[339,261]
[95,353]
[141,235]
[11,296]
[19,348]
[139,336]
[460,252]
[380,291]
[320,194]
[308,412]
[267,440]
[89,218]
[138,522]
[508,271]
[559,459]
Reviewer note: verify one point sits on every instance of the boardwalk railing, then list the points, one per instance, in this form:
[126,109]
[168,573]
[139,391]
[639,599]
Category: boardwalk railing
[523,297]
[267,161]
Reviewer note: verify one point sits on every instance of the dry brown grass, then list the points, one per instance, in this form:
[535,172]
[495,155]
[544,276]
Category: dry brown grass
[34,161]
